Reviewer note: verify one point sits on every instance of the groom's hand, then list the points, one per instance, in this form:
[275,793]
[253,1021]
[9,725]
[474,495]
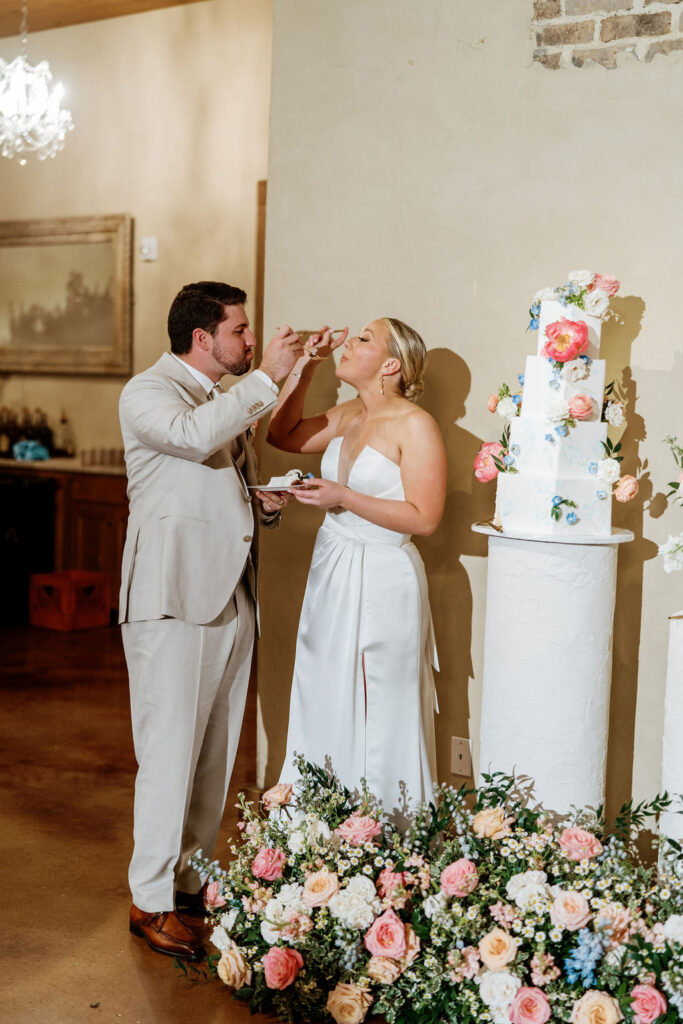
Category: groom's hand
[273,501]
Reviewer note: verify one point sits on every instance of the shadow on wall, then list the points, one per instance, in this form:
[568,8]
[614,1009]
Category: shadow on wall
[286,557]
[617,341]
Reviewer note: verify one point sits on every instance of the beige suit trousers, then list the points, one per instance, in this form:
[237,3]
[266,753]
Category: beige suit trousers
[188,686]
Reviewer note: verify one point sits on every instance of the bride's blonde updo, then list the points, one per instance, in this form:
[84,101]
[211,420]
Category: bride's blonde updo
[407,346]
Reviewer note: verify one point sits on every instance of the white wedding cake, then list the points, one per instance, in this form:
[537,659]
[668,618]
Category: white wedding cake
[554,464]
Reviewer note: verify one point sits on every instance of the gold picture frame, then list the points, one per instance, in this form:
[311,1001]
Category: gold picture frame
[66,295]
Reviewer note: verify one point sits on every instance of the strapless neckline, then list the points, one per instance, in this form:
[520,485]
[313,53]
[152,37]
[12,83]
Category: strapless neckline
[365,448]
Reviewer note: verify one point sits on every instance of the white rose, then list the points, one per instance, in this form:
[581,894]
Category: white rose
[672,553]
[228,920]
[317,831]
[296,842]
[609,470]
[614,414]
[596,303]
[507,408]
[220,939]
[575,369]
[498,988]
[527,886]
[581,277]
[673,928]
[435,906]
[557,410]
[353,911]
[290,896]
[273,919]
[544,295]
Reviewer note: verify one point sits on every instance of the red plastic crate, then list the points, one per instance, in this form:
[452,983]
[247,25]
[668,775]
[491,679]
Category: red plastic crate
[69,599]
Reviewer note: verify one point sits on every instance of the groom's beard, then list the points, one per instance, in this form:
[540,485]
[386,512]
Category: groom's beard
[234,369]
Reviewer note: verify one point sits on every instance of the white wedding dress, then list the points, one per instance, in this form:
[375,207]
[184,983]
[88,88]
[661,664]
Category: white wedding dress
[363,692]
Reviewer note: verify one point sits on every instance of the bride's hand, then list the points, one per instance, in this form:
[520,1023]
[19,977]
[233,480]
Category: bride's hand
[320,345]
[320,493]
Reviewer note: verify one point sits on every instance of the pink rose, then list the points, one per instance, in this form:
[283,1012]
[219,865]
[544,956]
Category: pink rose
[212,896]
[386,936]
[484,466]
[580,407]
[389,881]
[492,403]
[566,339]
[281,966]
[647,1003]
[609,285]
[459,878]
[277,796]
[626,489]
[577,844]
[268,864]
[530,1006]
[570,910]
[358,829]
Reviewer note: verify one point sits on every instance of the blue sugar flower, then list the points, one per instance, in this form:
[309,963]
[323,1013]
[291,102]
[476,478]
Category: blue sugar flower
[554,384]
[557,370]
[533,324]
[508,460]
[572,518]
[558,499]
[515,449]
[561,430]
[535,309]
[601,495]
[549,437]
[593,468]
[517,399]
[520,378]
[587,359]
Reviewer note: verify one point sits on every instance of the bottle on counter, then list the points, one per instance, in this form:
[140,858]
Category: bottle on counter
[26,431]
[5,440]
[64,440]
[43,432]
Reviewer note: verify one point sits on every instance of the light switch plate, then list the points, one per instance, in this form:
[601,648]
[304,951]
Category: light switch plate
[149,249]
[461,756]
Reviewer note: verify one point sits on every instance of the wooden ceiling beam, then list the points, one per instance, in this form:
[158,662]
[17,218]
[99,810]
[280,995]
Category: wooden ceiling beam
[45,14]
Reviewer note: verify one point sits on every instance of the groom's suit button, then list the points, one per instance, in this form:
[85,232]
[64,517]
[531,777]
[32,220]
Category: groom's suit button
[246,538]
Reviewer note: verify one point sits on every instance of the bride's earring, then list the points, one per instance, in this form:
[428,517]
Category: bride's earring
[381,383]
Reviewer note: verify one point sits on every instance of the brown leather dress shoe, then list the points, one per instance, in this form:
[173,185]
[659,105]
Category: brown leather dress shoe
[190,901]
[166,932]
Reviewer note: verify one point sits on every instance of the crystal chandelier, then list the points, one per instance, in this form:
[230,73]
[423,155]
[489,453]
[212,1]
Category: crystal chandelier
[31,119]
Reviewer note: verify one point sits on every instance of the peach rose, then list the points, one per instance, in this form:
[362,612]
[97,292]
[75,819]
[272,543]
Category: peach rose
[232,967]
[566,339]
[492,403]
[580,407]
[459,878]
[212,896]
[577,844]
[348,1004]
[268,864]
[277,796]
[530,1006]
[281,966]
[647,1003]
[497,949]
[617,921]
[386,936]
[383,970]
[319,888]
[491,823]
[570,910]
[596,1007]
[607,284]
[627,488]
[484,467]
[359,829]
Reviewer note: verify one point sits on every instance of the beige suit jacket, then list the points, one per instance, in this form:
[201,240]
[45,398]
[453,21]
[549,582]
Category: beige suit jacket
[191,526]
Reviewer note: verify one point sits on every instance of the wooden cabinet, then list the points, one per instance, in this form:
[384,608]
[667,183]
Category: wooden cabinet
[91,511]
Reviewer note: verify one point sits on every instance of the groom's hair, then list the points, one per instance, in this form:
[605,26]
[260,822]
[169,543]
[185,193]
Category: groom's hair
[199,305]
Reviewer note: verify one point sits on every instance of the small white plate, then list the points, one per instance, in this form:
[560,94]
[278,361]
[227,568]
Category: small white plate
[267,487]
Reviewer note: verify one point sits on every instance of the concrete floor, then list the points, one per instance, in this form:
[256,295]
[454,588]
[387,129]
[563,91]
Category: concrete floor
[65,839]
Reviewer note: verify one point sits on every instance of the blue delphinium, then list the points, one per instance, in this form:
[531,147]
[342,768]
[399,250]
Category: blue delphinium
[517,399]
[533,324]
[582,962]
[572,518]
[534,313]
[561,430]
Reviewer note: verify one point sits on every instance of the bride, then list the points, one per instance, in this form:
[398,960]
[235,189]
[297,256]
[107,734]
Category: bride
[363,692]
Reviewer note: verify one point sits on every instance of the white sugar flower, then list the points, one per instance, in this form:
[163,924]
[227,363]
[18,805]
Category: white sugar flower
[609,470]
[575,369]
[557,410]
[498,989]
[219,938]
[596,303]
[673,928]
[614,414]
[544,295]
[581,277]
[672,555]
[507,408]
[228,920]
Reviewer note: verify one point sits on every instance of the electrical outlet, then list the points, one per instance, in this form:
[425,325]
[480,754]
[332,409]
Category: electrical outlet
[461,756]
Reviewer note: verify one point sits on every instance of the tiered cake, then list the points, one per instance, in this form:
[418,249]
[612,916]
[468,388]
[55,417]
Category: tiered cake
[554,464]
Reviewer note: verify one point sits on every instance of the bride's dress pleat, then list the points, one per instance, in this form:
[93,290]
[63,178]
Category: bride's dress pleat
[366,604]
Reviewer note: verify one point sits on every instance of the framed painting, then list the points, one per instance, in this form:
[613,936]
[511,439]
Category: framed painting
[65,295]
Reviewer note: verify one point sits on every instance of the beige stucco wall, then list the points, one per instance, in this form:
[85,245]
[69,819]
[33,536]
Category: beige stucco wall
[171,126]
[421,166]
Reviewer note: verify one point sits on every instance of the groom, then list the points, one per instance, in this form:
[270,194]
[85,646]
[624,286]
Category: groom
[188,588]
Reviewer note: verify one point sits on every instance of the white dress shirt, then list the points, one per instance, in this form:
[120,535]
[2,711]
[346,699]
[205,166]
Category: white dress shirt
[208,384]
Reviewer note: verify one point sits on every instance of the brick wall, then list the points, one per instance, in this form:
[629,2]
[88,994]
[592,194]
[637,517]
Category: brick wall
[574,33]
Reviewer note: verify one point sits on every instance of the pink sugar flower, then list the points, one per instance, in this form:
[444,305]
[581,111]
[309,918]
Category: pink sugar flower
[626,489]
[359,829]
[530,1006]
[577,844]
[566,339]
[608,284]
[212,896]
[268,864]
[281,966]
[484,466]
[459,878]
[386,936]
[492,403]
[647,1003]
[580,407]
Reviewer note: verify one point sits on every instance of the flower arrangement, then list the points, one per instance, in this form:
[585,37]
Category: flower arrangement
[486,909]
[672,550]
[496,457]
[584,289]
[504,402]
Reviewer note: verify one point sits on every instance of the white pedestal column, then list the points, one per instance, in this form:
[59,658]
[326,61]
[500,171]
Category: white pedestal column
[671,824]
[547,663]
